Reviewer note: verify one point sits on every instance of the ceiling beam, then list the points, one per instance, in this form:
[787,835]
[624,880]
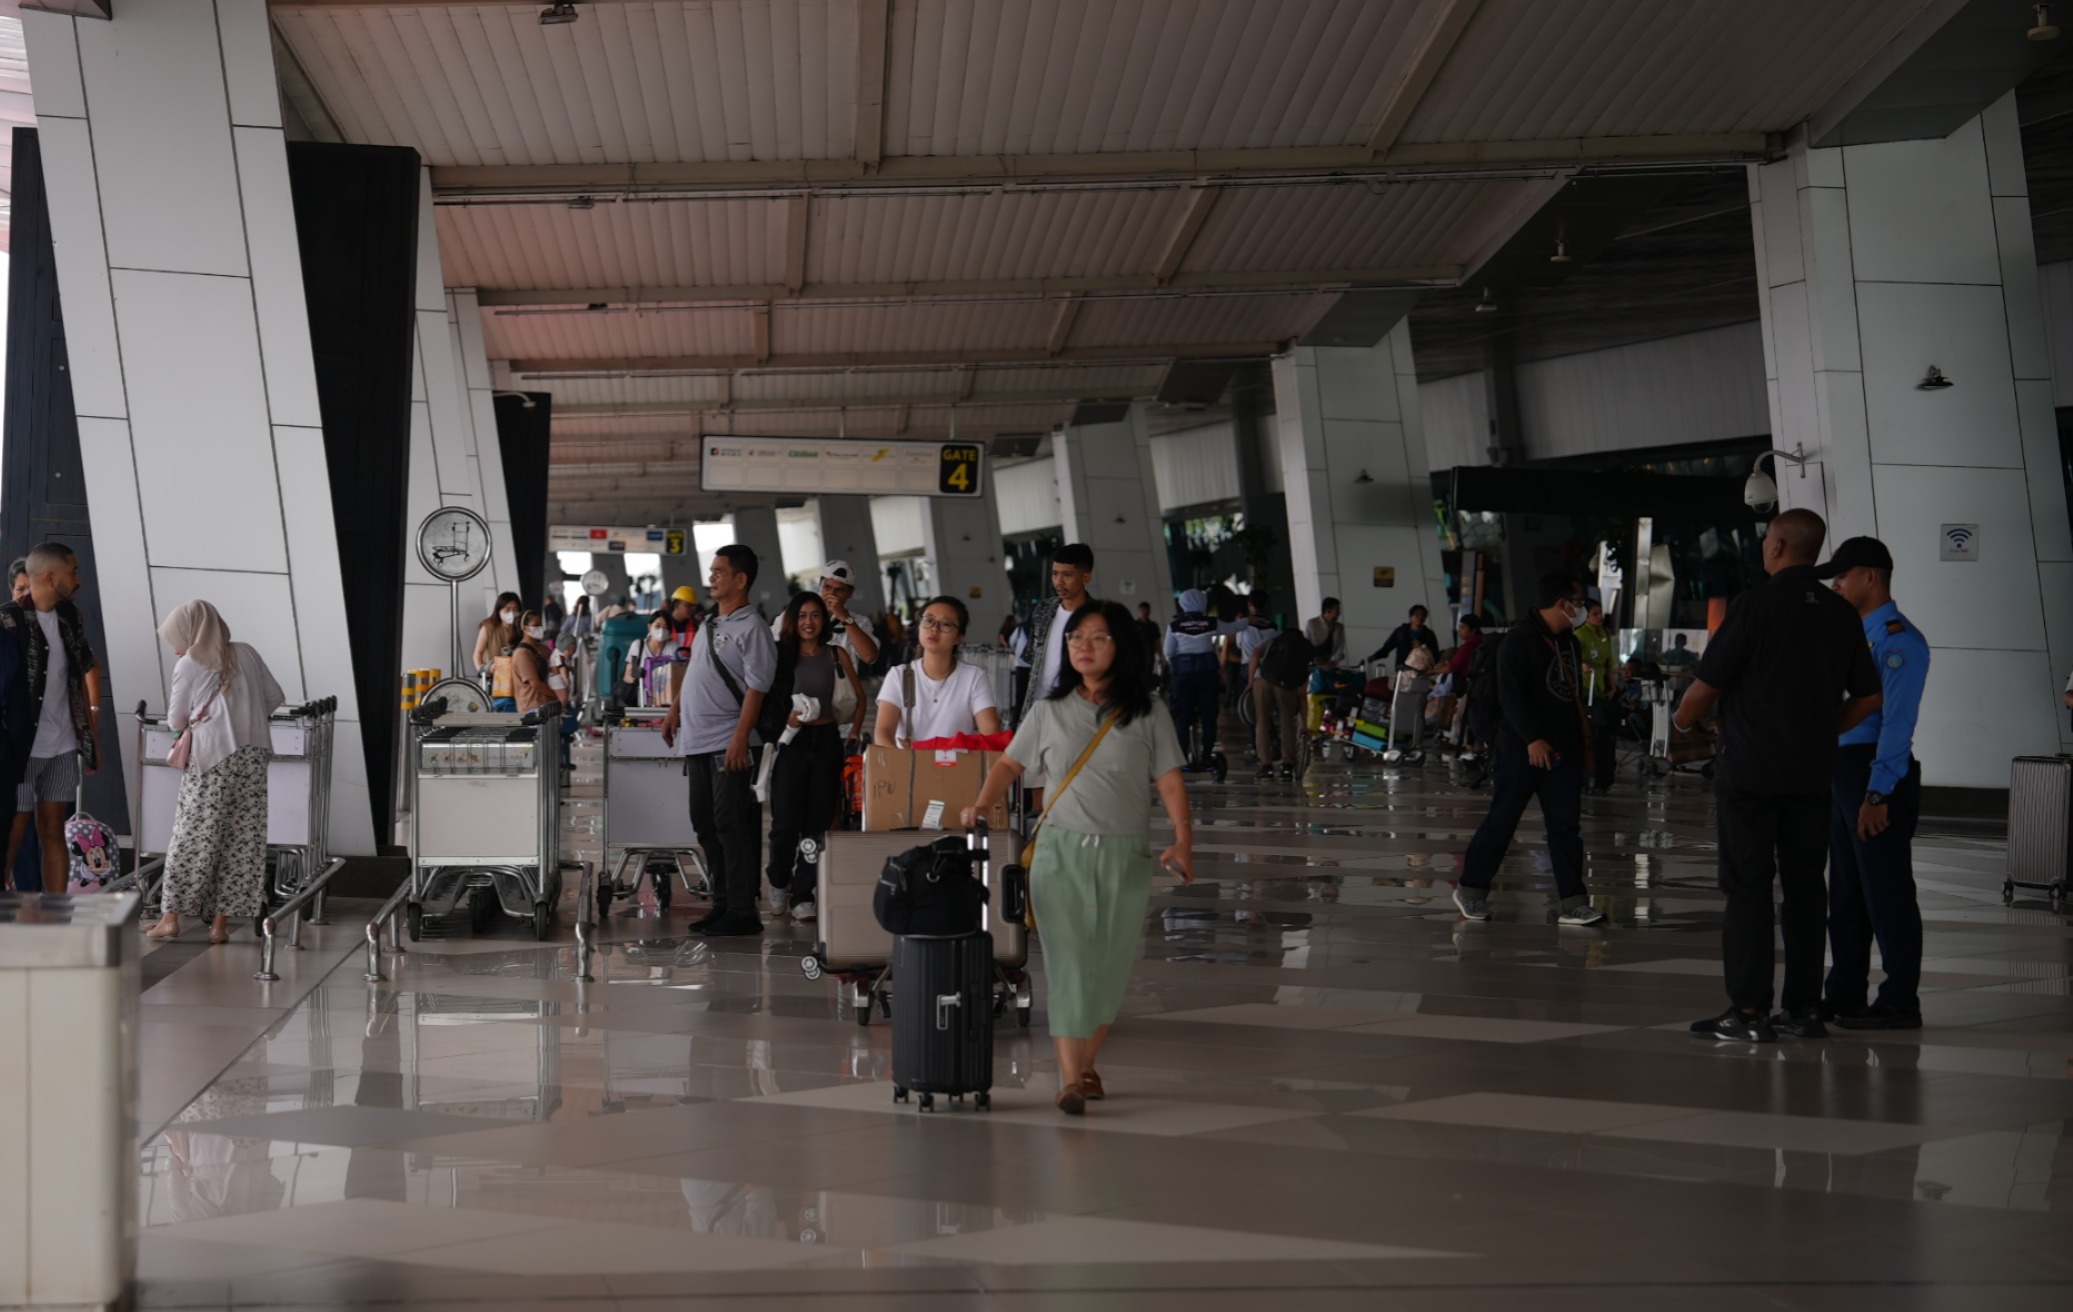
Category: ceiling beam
[759,335]
[677,364]
[976,400]
[872,17]
[1185,168]
[1061,325]
[758,294]
[1200,202]
[797,210]
[1417,75]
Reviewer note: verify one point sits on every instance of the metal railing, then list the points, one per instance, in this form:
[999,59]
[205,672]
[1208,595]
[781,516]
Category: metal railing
[586,924]
[390,916]
[292,910]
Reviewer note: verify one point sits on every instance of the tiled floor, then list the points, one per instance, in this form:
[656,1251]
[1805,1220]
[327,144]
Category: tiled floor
[1328,1092]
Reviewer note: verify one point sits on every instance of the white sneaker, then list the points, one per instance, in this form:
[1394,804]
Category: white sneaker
[804,913]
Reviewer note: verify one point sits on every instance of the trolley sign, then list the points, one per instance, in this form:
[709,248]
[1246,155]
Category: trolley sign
[453,543]
[809,466]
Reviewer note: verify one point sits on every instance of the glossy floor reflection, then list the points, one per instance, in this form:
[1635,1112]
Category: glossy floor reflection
[1328,1091]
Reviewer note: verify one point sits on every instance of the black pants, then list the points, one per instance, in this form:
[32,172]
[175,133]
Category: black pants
[730,829]
[1771,839]
[1515,781]
[1605,744]
[805,792]
[1197,693]
[1871,890]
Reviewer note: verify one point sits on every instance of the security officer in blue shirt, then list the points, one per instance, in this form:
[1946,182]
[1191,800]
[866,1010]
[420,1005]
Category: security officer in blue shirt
[1191,656]
[1876,801]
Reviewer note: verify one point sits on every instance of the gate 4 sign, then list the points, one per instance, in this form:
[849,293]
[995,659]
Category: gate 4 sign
[957,471]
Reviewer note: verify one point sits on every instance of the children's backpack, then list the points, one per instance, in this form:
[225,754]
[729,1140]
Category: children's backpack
[91,846]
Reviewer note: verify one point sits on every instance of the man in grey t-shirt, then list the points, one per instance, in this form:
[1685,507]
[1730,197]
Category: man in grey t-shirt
[716,693]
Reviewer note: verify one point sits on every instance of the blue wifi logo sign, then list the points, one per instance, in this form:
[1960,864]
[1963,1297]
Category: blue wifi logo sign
[1958,542]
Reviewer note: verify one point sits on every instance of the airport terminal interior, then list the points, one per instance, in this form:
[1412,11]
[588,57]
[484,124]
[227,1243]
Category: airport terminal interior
[414,335]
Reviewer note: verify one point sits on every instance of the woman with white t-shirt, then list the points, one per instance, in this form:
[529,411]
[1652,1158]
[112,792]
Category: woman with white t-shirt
[937,696]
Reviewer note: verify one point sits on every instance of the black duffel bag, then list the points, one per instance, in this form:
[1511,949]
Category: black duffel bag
[930,891]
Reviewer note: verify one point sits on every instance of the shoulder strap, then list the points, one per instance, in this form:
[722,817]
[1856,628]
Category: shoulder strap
[1107,723]
[726,675]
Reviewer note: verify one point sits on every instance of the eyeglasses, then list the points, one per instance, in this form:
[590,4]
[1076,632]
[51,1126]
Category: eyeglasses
[935,625]
[1087,639]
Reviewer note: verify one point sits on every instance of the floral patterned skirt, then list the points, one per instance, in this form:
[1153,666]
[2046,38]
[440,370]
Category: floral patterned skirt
[216,862]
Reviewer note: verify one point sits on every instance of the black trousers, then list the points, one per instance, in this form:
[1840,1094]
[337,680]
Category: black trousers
[1871,890]
[1515,781]
[1197,693]
[730,829]
[1605,744]
[805,793]
[1772,841]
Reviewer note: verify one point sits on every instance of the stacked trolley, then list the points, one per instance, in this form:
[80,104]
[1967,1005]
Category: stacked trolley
[485,814]
[646,823]
[298,800]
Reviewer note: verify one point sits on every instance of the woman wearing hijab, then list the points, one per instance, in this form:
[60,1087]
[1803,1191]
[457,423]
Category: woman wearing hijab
[222,696]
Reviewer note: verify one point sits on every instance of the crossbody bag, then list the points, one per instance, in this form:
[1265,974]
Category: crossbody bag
[1029,848]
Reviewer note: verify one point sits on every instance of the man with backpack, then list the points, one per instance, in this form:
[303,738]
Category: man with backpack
[716,699]
[1280,678]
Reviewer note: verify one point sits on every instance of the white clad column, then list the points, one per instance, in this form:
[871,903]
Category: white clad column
[190,355]
[756,529]
[848,534]
[1108,498]
[1353,467]
[1877,262]
[961,539]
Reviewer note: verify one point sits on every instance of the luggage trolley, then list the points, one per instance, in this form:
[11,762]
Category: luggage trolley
[646,820]
[485,813]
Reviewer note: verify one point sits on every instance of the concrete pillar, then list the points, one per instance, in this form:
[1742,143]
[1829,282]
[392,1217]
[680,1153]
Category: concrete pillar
[613,566]
[1877,262]
[679,571]
[1253,429]
[1108,498]
[189,346]
[1353,467]
[961,539]
[756,529]
[848,534]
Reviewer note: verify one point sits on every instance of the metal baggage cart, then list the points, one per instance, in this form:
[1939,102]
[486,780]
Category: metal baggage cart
[485,813]
[1408,694]
[1669,748]
[999,664]
[647,821]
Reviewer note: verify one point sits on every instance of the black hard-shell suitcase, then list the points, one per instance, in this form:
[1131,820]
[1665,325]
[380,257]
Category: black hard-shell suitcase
[943,1018]
[2040,826]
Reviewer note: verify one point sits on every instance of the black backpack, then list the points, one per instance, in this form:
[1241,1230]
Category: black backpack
[1287,660]
[930,891]
[1479,701]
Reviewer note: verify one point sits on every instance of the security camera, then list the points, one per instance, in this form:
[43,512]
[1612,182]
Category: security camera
[1760,492]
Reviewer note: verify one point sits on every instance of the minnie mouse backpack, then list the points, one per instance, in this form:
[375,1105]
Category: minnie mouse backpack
[91,845]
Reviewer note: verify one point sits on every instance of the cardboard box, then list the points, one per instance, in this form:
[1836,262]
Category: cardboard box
[905,788]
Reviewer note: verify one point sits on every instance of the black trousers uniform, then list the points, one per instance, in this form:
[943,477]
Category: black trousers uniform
[729,823]
[805,794]
[1514,782]
[1767,840]
[1871,890]
[1197,696]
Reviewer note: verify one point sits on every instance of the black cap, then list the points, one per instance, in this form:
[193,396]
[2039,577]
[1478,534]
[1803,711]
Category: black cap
[1856,553]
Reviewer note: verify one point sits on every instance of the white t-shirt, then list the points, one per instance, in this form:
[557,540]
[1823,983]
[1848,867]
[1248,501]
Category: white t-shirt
[942,709]
[1054,652]
[55,735]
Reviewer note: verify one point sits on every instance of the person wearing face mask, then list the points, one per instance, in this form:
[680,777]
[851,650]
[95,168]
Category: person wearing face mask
[531,668]
[650,664]
[1543,751]
[490,638]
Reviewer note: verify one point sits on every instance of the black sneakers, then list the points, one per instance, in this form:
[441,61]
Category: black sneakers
[718,912]
[1735,1026]
[1880,1017]
[731,926]
[1800,1023]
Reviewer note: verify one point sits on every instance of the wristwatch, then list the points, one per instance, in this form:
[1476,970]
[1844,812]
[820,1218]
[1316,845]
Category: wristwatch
[1874,799]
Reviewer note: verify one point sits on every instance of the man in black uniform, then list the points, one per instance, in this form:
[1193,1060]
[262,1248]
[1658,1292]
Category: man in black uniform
[1407,638]
[1790,671]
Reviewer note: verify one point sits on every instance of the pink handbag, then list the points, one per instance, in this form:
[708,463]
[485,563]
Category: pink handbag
[182,749]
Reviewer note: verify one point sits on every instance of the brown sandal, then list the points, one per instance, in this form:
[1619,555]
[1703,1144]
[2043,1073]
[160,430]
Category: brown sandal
[1090,1087]
[1072,1102]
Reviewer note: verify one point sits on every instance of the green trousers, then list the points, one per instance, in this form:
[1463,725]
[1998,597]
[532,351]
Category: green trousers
[1090,892]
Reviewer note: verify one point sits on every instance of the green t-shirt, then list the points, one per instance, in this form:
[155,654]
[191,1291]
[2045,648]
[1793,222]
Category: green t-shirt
[1112,793]
[1598,656]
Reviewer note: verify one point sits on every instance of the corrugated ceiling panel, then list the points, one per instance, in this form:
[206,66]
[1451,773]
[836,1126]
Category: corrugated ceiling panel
[676,389]
[921,421]
[1349,226]
[1198,320]
[1080,380]
[1528,69]
[691,81]
[624,244]
[998,235]
[614,335]
[583,427]
[948,327]
[848,385]
[967,77]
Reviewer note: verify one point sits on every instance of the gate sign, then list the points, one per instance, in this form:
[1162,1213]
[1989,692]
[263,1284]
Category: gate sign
[587,537]
[809,465]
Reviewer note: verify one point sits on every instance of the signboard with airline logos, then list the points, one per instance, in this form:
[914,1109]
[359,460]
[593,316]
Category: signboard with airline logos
[810,465]
[592,537]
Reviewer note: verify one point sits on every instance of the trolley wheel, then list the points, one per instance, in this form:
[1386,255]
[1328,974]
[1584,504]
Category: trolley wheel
[604,899]
[928,1102]
[662,890]
[1221,764]
[885,1005]
[543,921]
[863,1012]
[1023,1009]
[1706,770]
[2008,894]
[899,1093]
[982,1100]
[810,966]
[414,920]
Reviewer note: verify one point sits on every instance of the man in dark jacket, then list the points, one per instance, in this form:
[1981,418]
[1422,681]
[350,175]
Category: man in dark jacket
[1543,750]
[58,738]
[1412,634]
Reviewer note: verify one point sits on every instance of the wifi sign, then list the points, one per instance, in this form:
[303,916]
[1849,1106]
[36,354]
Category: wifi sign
[1958,542]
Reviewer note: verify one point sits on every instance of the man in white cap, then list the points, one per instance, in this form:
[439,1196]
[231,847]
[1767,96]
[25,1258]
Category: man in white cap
[838,585]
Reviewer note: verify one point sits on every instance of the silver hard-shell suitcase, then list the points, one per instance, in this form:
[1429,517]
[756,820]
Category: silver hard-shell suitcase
[2040,826]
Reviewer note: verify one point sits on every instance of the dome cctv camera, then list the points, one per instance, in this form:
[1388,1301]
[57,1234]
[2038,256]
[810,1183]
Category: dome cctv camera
[1760,492]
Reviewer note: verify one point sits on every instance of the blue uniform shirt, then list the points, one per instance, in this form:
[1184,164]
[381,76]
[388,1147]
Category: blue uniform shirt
[1902,655]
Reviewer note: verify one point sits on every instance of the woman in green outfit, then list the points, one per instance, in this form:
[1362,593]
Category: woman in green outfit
[1091,882]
